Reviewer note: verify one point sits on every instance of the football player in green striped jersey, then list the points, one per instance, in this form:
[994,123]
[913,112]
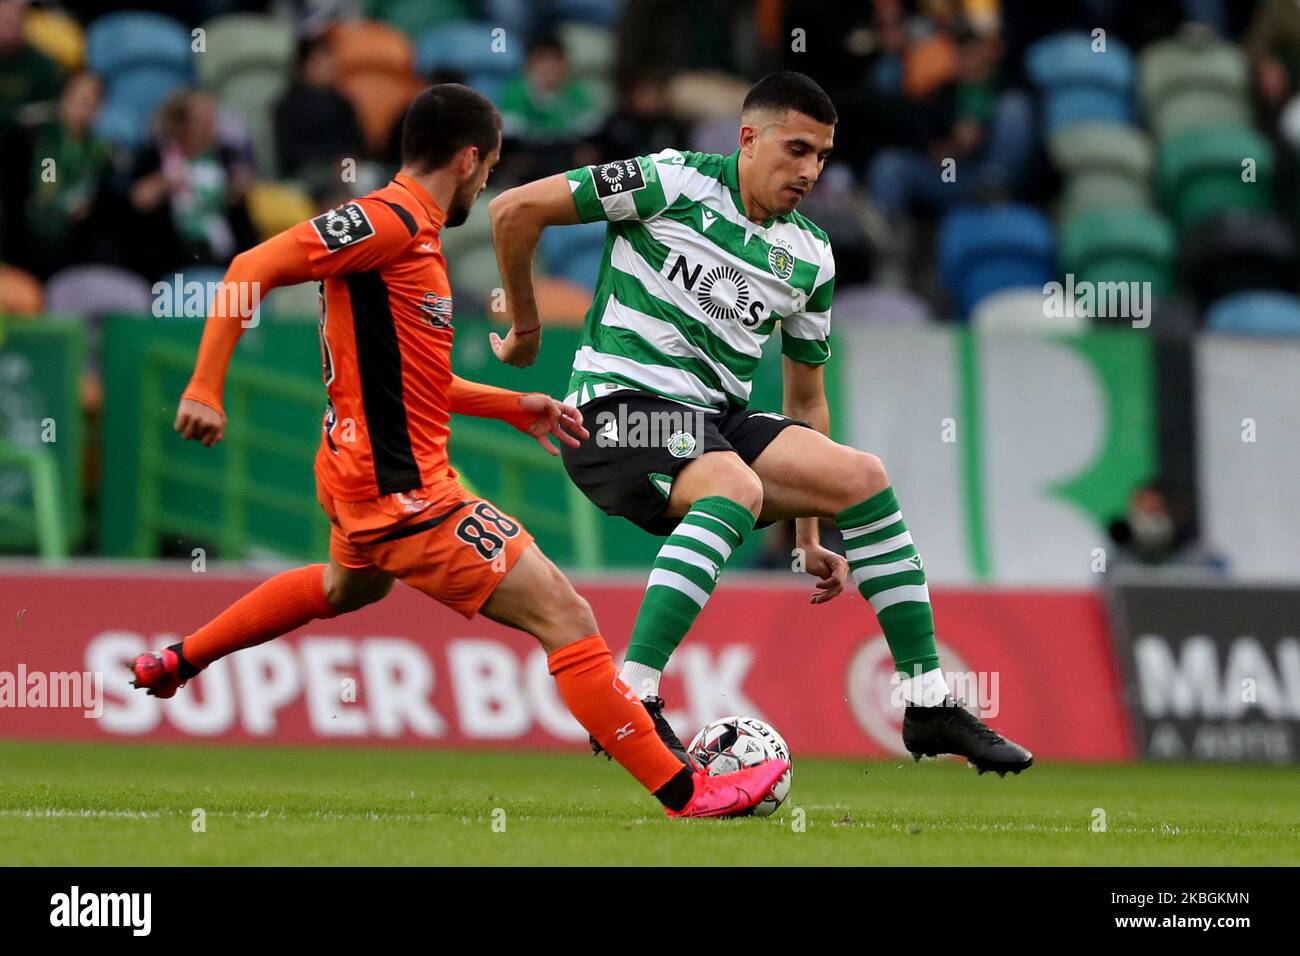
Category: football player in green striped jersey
[704,257]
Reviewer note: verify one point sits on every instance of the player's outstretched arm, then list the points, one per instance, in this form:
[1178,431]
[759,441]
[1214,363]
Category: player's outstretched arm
[518,217]
[532,413]
[278,261]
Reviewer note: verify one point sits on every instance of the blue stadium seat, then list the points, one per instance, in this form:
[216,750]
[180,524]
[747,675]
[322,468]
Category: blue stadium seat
[468,47]
[132,98]
[984,249]
[574,252]
[142,57]
[1079,84]
[1064,108]
[122,41]
[1065,60]
[1256,313]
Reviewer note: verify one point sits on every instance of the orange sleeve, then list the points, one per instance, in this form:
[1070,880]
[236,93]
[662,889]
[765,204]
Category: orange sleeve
[486,401]
[278,261]
[357,236]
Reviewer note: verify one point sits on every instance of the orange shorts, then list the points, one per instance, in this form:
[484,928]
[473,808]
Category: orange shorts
[439,539]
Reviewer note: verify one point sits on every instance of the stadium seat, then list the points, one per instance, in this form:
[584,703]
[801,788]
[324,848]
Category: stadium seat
[133,98]
[928,65]
[1237,252]
[1119,245]
[574,252]
[1256,313]
[375,73]
[292,302]
[1065,108]
[1193,79]
[118,42]
[1201,170]
[417,17]
[142,57]
[58,36]
[879,305]
[1104,165]
[274,207]
[589,49]
[603,13]
[249,65]
[20,292]
[474,273]
[467,47]
[984,249]
[1079,84]
[97,290]
[561,301]
[1193,109]
[1022,311]
[209,277]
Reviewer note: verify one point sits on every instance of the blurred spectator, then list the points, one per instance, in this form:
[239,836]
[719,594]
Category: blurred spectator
[187,191]
[545,113]
[27,76]
[1273,47]
[55,174]
[988,132]
[1157,531]
[642,124]
[544,103]
[315,125]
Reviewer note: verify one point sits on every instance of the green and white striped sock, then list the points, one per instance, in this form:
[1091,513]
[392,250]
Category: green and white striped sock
[889,573]
[685,572]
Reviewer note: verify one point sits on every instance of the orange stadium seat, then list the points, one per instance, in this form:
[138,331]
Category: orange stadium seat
[562,301]
[20,292]
[376,72]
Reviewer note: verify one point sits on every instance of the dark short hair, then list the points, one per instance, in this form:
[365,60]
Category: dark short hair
[443,120]
[787,90]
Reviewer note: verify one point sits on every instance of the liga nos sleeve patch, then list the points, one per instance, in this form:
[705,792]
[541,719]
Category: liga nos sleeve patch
[344,226]
[624,176]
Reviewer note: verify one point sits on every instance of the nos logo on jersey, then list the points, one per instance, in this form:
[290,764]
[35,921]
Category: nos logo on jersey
[723,292]
[780,260]
[624,176]
[343,226]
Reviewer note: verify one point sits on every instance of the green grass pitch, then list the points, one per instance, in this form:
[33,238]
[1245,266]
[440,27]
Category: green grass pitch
[125,804]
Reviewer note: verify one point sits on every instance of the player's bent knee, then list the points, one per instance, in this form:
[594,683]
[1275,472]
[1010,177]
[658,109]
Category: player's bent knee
[868,478]
[738,482]
[564,618]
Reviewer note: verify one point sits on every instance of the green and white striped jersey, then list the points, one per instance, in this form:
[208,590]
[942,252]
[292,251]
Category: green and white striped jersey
[689,289]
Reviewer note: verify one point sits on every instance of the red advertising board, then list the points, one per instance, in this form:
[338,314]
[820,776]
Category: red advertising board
[1038,665]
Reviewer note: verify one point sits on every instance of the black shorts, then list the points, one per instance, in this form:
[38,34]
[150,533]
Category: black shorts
[629,470]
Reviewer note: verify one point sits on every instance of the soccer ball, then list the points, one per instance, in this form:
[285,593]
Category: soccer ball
[732,743]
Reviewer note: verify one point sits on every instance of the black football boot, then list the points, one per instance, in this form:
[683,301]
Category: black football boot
[952,729]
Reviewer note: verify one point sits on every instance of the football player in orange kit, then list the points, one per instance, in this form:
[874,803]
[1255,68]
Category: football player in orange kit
[382,474]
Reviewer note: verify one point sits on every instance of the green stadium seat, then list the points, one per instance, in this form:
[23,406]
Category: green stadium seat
[416,17]
[1116,245]
[248,64]
[1197,66]
[589,48]
[1201,173]
[1196,109]
[1105,165]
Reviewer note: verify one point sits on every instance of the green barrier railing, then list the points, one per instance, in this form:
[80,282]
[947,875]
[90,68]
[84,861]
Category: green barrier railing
[43,472]
[228,482]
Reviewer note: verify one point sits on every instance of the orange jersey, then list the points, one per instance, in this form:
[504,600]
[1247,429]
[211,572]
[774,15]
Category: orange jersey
[386,335]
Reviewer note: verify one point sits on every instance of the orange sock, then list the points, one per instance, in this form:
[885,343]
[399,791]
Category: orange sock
[278,606]
[592,689]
